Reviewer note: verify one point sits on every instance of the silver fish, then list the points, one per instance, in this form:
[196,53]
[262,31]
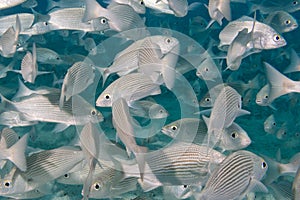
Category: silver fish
[120,17]
[279,84]
[14,118]
[179,164]
[150,50]
[148,109]
[270,125]
[238,174]
[262,97]
[265,36]
[123,124]
[9,39]
[29,68]
[266,6]
[48,56]
[26,21]
[137,5]
[131,87]
[46,108]
[160,6]
[233,137]
[281,21]
[226,108]
[71,19]
[111,183]
[79,76]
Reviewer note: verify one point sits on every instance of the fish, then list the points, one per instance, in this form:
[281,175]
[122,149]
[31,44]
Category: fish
[131,87]
[15,153]
[48,56]
[277,169]
[120,17]
[270,125]
[226,108]
[79,76]
[150,50]
[178,8]
[90,46]
[239,174]
[218,10]
[10,3]
[294,65]
[71,19]
[179,164]
[266,7]
[279,84]
[112,183]
[265,36]
[281,189]
[148,109]
[9,39]
[123,123]
[195,130]
[281,21]
[241,46]
[42,167]
[29,68]
[26,21]
[262,97]
[208,70]
[138,5]
[46,108]
[197,25]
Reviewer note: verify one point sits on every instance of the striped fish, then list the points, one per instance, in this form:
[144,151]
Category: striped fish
[131,87]
[45,108]
[111,183]
[77,79]
[227,106]
[180,164]
[239,174]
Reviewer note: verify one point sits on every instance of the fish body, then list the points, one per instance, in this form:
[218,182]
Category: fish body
[26,21]
[265,36]
[239,174]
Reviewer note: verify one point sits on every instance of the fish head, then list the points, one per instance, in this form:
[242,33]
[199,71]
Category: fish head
[104,100]
[172,129]
[208,70]
[260,167]
[96,116]
[270,124]
[206,101]
[100,24]
[166,43]
[262,97]
[293,6]
[272,40]
[15,184]
[156,111]
[235,138]
[98,189]
[289,23]
[138,6]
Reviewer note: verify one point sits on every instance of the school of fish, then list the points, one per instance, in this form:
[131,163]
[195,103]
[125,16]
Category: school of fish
[149,99]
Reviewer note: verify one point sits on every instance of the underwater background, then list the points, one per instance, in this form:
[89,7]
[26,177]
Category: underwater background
[280,142]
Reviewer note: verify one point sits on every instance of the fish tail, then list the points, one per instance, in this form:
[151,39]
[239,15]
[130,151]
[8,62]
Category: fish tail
[277,82]
[17,153]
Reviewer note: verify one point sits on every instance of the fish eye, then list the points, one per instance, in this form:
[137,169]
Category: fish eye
[234,135]
[7,184]
[93,112]
[107,96]
[160,111]
[142,2]
[97,186]
[276,37]
[46,23]
[207,99]
[185,186]
[103,21]
[266,96]
[66,176]
[263,165]
[174,128]
[168,40]
[287,22]
[206,69]
[274,124]
[295,2]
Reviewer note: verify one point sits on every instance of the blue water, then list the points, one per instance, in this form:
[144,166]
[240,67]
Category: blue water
[286,112]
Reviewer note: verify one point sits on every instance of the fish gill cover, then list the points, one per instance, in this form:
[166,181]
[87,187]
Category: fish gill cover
[147,99]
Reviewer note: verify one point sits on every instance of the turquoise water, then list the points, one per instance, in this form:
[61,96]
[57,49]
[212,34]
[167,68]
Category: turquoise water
[178,101]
